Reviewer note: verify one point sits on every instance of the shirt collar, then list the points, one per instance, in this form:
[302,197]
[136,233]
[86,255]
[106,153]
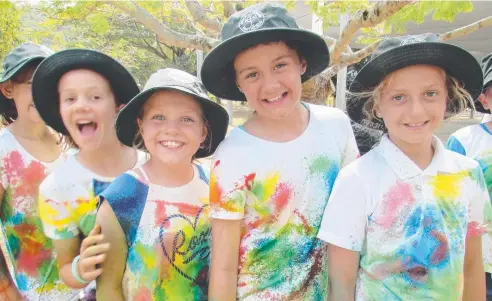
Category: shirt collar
[405,168]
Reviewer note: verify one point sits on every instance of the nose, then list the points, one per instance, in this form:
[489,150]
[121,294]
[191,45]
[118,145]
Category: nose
[81,104]
[417,107]
[271,84]
[171,127]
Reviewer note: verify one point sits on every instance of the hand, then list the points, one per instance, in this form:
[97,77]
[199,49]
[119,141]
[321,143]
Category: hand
[92,253]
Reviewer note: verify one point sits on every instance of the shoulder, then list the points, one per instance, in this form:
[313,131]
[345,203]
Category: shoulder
[235,142]
[330,114]
[7,142]
[365,166]
[127,186]
[459,161]
[63,177]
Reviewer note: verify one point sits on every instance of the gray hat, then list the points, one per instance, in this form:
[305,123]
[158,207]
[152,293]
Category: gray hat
[487,80]
[16,60]
[399,52]
[255,25]
[174,79]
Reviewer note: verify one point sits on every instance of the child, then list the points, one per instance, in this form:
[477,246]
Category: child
[271,177]
[78,93]
[475,141]
[404,222]
[160,247]
[29,151]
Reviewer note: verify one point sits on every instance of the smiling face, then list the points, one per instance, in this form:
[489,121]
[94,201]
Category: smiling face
[18,89]
[172,127]
[269,75]
[88,108]
[412,104]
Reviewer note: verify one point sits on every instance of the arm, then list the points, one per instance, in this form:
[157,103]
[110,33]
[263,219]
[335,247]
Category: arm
[225,257]
[8,289]
[109,284]
[474,274]
[344,266]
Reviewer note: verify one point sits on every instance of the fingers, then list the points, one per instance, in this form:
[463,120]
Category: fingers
[96,230]
[90,241]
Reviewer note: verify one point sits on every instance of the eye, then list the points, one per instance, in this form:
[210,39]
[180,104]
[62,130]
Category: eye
[158,117]
[398,98]
[69,99]
[279,65]
[431,93]
[96,97]
[188,119]
[252,75]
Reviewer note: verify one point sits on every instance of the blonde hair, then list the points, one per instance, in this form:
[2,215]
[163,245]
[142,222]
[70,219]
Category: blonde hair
[458,97]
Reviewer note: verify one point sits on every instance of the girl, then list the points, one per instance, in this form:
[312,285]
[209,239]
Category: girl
[272,176]
[475,141]
[404,222]
[160,247]
[29,151]
[79,93]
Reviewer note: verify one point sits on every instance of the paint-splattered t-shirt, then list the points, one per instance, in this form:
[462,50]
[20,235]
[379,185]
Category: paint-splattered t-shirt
[409,225]
[168,236]
[28,251]
[280,190]
[475,141]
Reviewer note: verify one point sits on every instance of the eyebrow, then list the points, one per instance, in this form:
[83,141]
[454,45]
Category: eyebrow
[277,59]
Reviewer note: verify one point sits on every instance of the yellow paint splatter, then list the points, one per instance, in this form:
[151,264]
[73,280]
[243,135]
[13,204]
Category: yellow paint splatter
[447,186]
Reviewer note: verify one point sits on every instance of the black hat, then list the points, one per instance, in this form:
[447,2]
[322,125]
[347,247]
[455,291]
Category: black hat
[49,72]
[399,52]
[259,24]
[16,60]
[173,79]
[487,80]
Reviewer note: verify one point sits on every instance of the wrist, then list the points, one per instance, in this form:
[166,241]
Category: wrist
[76,270]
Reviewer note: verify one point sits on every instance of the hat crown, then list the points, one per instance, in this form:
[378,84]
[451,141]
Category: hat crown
[487,70]
[24,52]
[170,77]
[395,42]
[257,17]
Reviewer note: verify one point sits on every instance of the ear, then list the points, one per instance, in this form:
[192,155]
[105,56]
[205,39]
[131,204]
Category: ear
[139,124]
[483,100]
[7,89]
[204,133]
[303,66]
[120,107]
[239,88]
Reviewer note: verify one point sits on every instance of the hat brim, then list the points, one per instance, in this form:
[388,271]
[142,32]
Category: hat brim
[48,74]
[10,75]
[216,116]
[217,66]
[455,61]
[487,83]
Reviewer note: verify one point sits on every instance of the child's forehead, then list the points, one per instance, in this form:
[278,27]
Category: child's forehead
[83,78]
[169,99]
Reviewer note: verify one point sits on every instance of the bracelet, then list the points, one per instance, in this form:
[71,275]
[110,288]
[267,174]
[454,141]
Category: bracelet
[75,274]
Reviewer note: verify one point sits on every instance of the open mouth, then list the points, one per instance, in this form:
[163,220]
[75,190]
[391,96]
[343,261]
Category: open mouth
[87,128]
[171,144]
[277,99]
[416,125]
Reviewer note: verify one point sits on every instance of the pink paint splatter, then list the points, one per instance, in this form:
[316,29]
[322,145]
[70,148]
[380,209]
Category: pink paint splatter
[394,202]
[475,229]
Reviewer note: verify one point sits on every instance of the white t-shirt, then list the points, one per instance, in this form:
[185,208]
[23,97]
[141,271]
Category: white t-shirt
[28,252]
[168,236]
[68,199]
[409,225]
[475,141]
[280,190]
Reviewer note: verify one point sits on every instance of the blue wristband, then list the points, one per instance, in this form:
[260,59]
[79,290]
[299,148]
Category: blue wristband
[75,274]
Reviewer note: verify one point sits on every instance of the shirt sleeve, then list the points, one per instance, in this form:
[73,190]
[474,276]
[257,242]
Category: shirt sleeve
[479,211]
[227,198]
[351,151]
[340,226]
[455,145]
[56,212]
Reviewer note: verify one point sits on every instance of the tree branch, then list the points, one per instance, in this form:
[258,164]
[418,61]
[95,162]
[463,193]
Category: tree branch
[200,15]
[165,34]
[462,31]
[353,58]
[229,9]
[369,17]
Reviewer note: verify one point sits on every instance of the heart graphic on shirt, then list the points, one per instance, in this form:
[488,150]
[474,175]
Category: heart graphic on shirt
[189,249]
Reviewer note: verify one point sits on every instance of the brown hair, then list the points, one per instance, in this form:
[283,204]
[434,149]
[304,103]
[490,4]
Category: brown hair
[9,111]
[458,97]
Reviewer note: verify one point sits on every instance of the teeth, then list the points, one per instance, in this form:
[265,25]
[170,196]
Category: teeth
[415,124]
[172,144]
[276,98]
[82,122]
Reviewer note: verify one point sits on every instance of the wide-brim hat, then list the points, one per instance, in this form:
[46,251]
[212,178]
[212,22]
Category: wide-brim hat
[259,24]
[399,52]
[48,74]
[173,79]
[15,61]
[487,80]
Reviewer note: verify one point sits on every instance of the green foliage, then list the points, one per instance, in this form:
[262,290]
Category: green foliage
[9,27]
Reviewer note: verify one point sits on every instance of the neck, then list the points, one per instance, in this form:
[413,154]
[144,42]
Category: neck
[109,160]
[169,175]
[28,129]
[420,153]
